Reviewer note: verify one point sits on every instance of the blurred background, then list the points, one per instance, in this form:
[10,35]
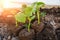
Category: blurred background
[16,4]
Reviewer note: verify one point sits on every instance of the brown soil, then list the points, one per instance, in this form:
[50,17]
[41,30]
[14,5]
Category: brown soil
[42,31]
[38,27]
[25,35]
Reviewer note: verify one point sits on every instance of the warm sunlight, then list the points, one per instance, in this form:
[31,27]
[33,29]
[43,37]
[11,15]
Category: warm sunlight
[9,4]
[8,8]
[5,3]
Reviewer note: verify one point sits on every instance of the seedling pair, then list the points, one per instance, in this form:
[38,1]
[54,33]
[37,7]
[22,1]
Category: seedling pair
[27,13]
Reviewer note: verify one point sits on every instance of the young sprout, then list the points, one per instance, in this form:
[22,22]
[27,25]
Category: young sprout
[37,6]
[21,18]
[27,13]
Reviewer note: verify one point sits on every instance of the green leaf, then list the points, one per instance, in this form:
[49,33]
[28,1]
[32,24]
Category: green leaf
[20,17]
[32,17]
[38,4]
[28,11]
[43,14]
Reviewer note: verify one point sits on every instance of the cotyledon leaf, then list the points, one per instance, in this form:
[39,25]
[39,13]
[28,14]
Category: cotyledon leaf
[28,11]
[38,4]
[20,17]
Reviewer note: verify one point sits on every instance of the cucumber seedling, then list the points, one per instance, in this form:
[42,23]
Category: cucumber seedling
[27,14]
[37,6]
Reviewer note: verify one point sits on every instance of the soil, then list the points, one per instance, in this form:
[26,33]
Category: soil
[46,34]
[25,35]
[57,19]
[58,33]
[38,27]
[48,29]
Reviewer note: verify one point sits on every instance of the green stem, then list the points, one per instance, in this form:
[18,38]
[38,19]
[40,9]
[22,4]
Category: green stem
[29,25]
[38,16]
[16,24]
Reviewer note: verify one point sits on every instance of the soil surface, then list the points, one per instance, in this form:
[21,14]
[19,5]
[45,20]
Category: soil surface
[48,29]
[38,27]
[25,35]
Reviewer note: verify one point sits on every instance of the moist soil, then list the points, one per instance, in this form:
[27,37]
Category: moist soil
[25,35]
[48,29]
[38,27]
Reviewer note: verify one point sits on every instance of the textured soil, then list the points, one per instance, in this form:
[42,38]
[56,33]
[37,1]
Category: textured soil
[48,29]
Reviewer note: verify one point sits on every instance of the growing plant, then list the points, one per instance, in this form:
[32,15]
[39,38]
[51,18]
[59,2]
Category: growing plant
[27,13]
[37,6]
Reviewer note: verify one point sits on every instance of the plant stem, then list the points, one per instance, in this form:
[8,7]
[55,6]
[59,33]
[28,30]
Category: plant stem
[38,16]
[29,25]
[16,24]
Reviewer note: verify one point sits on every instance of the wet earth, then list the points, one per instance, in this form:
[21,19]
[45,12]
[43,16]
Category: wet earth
[49,29]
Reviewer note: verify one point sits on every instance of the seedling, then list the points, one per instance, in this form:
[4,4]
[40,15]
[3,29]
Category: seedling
[27,13]
[37,6]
